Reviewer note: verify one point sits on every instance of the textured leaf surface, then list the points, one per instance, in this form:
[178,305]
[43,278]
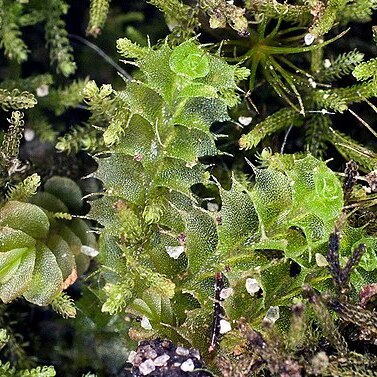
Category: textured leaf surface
[47,278]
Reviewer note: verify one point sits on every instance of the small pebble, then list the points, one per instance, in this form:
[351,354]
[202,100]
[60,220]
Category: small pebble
[188,366]
[147,367]
[161,360]
[181,351]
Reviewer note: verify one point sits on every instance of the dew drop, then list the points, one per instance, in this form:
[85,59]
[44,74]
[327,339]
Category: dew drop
[252,286]
[327,63]
[245,121]
[273,314]
[226,293]
[175,251]
[309,39]
[224,326]
[321,260]
[42,91]
[145,324]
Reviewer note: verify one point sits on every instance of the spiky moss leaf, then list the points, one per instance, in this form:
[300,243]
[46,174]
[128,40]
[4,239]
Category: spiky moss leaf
[139,141]
[189,144]
[21,279]
[47,279]
[162,262]
[316,189]
[369,259]
[70,237]
[129,49]
[198,89]
[26,217]
[201,113]
[13,238]
[111,255]
[123,177]
[97,16]
[25,189]
[201,241]
[139,99]
[301,249]
[174,174]
[82,263]
[197,330]
[83,231]
[154,306]
[238,217]
[221,75]
[351,239]
[277,121]
[176,204]
[272,197]
[102,210]
[360,278]
[242,267]
[365,70]
[157,73]
[67,191]
[277,284]
[62,252]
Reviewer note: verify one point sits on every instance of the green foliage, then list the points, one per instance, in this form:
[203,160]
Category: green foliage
[57,37]
[8,371]
[97,16]
[176,208]
[284,118]
[343,65]
[158,248]
[16,99]
[42,254]
[11,40]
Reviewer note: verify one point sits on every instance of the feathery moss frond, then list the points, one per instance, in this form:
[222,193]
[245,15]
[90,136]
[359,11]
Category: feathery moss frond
[300,14]
[281,119]
[57,37]
[326,18]
[64,305]
[11,142]
[365,70]
[358,11]
[79,138]
[97,16]
[10,33]
[30,83]
[24,190]
[341,66]
[315,136]
[16,100]
[65,97]
[339,99]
